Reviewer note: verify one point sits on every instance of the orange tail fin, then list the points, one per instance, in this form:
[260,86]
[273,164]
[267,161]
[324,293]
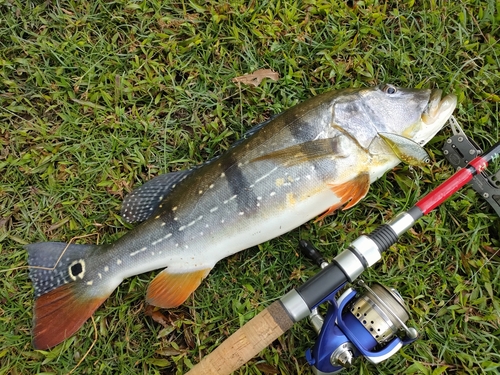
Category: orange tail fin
[60,313]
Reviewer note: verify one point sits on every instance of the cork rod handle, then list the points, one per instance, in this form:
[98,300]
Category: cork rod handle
[246,342]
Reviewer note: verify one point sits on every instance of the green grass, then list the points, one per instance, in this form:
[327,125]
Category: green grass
[97,97]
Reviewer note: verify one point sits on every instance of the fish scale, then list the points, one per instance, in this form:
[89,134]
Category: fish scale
[313,158]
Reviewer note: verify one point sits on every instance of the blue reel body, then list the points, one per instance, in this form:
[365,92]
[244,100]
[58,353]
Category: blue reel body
[346,334]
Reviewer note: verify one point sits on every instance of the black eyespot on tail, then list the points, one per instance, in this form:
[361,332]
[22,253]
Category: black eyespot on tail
[76,269]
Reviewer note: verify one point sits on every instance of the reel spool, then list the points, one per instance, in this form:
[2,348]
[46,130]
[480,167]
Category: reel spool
[368,324]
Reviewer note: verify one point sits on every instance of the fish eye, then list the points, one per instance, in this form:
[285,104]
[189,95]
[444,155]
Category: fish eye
[389,89]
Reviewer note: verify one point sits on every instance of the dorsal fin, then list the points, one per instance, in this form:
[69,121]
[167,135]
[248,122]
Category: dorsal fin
[143,201]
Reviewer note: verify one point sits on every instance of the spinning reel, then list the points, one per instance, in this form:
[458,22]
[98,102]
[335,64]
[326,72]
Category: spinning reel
[364,321]
[370,321]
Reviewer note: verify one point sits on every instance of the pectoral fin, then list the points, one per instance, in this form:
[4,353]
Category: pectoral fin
[309,150]
[170,289]
[405,149]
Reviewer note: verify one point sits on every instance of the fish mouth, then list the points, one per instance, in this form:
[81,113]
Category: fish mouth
[439,109]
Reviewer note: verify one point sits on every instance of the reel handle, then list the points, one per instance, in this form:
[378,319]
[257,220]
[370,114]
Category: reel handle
[312,253]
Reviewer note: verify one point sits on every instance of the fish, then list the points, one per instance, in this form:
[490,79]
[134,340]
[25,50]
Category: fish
[310,160]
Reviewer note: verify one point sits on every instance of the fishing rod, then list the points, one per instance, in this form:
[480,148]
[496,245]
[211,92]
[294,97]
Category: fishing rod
[356,324]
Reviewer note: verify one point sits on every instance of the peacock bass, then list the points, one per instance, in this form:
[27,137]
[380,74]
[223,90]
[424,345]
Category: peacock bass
[311,159]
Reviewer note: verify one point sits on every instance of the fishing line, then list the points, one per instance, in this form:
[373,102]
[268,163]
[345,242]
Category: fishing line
[58,259]
[89,349]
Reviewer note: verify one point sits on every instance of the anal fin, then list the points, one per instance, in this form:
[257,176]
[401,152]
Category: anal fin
[169,289]
[350,192]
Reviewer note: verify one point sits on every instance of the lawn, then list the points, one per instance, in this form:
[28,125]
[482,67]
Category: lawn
[97,97]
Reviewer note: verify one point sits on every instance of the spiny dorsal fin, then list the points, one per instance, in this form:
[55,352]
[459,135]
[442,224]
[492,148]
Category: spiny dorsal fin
[140,204]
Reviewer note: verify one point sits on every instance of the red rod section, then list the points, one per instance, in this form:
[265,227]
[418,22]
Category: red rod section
[451,185]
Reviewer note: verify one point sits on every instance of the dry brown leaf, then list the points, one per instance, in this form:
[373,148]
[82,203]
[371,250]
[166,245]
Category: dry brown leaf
[267,368]
[157,316]
[256,77]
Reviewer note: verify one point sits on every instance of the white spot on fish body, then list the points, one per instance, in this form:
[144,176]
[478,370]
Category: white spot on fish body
[200,192]
[182,228]
[222,175]
[167,236]
[211,186]
[100,276]
[163,224]
[241,213]
[273,193]
[259,198]
[137,252]
[266,175]
[214,209]
[308,176]
[118,261]
[90,282]
[233,197]
[106,269]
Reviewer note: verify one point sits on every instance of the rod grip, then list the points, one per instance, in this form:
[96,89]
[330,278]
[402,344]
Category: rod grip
[246,342]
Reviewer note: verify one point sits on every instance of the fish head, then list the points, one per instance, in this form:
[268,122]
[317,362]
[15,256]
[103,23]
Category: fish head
[417,114]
